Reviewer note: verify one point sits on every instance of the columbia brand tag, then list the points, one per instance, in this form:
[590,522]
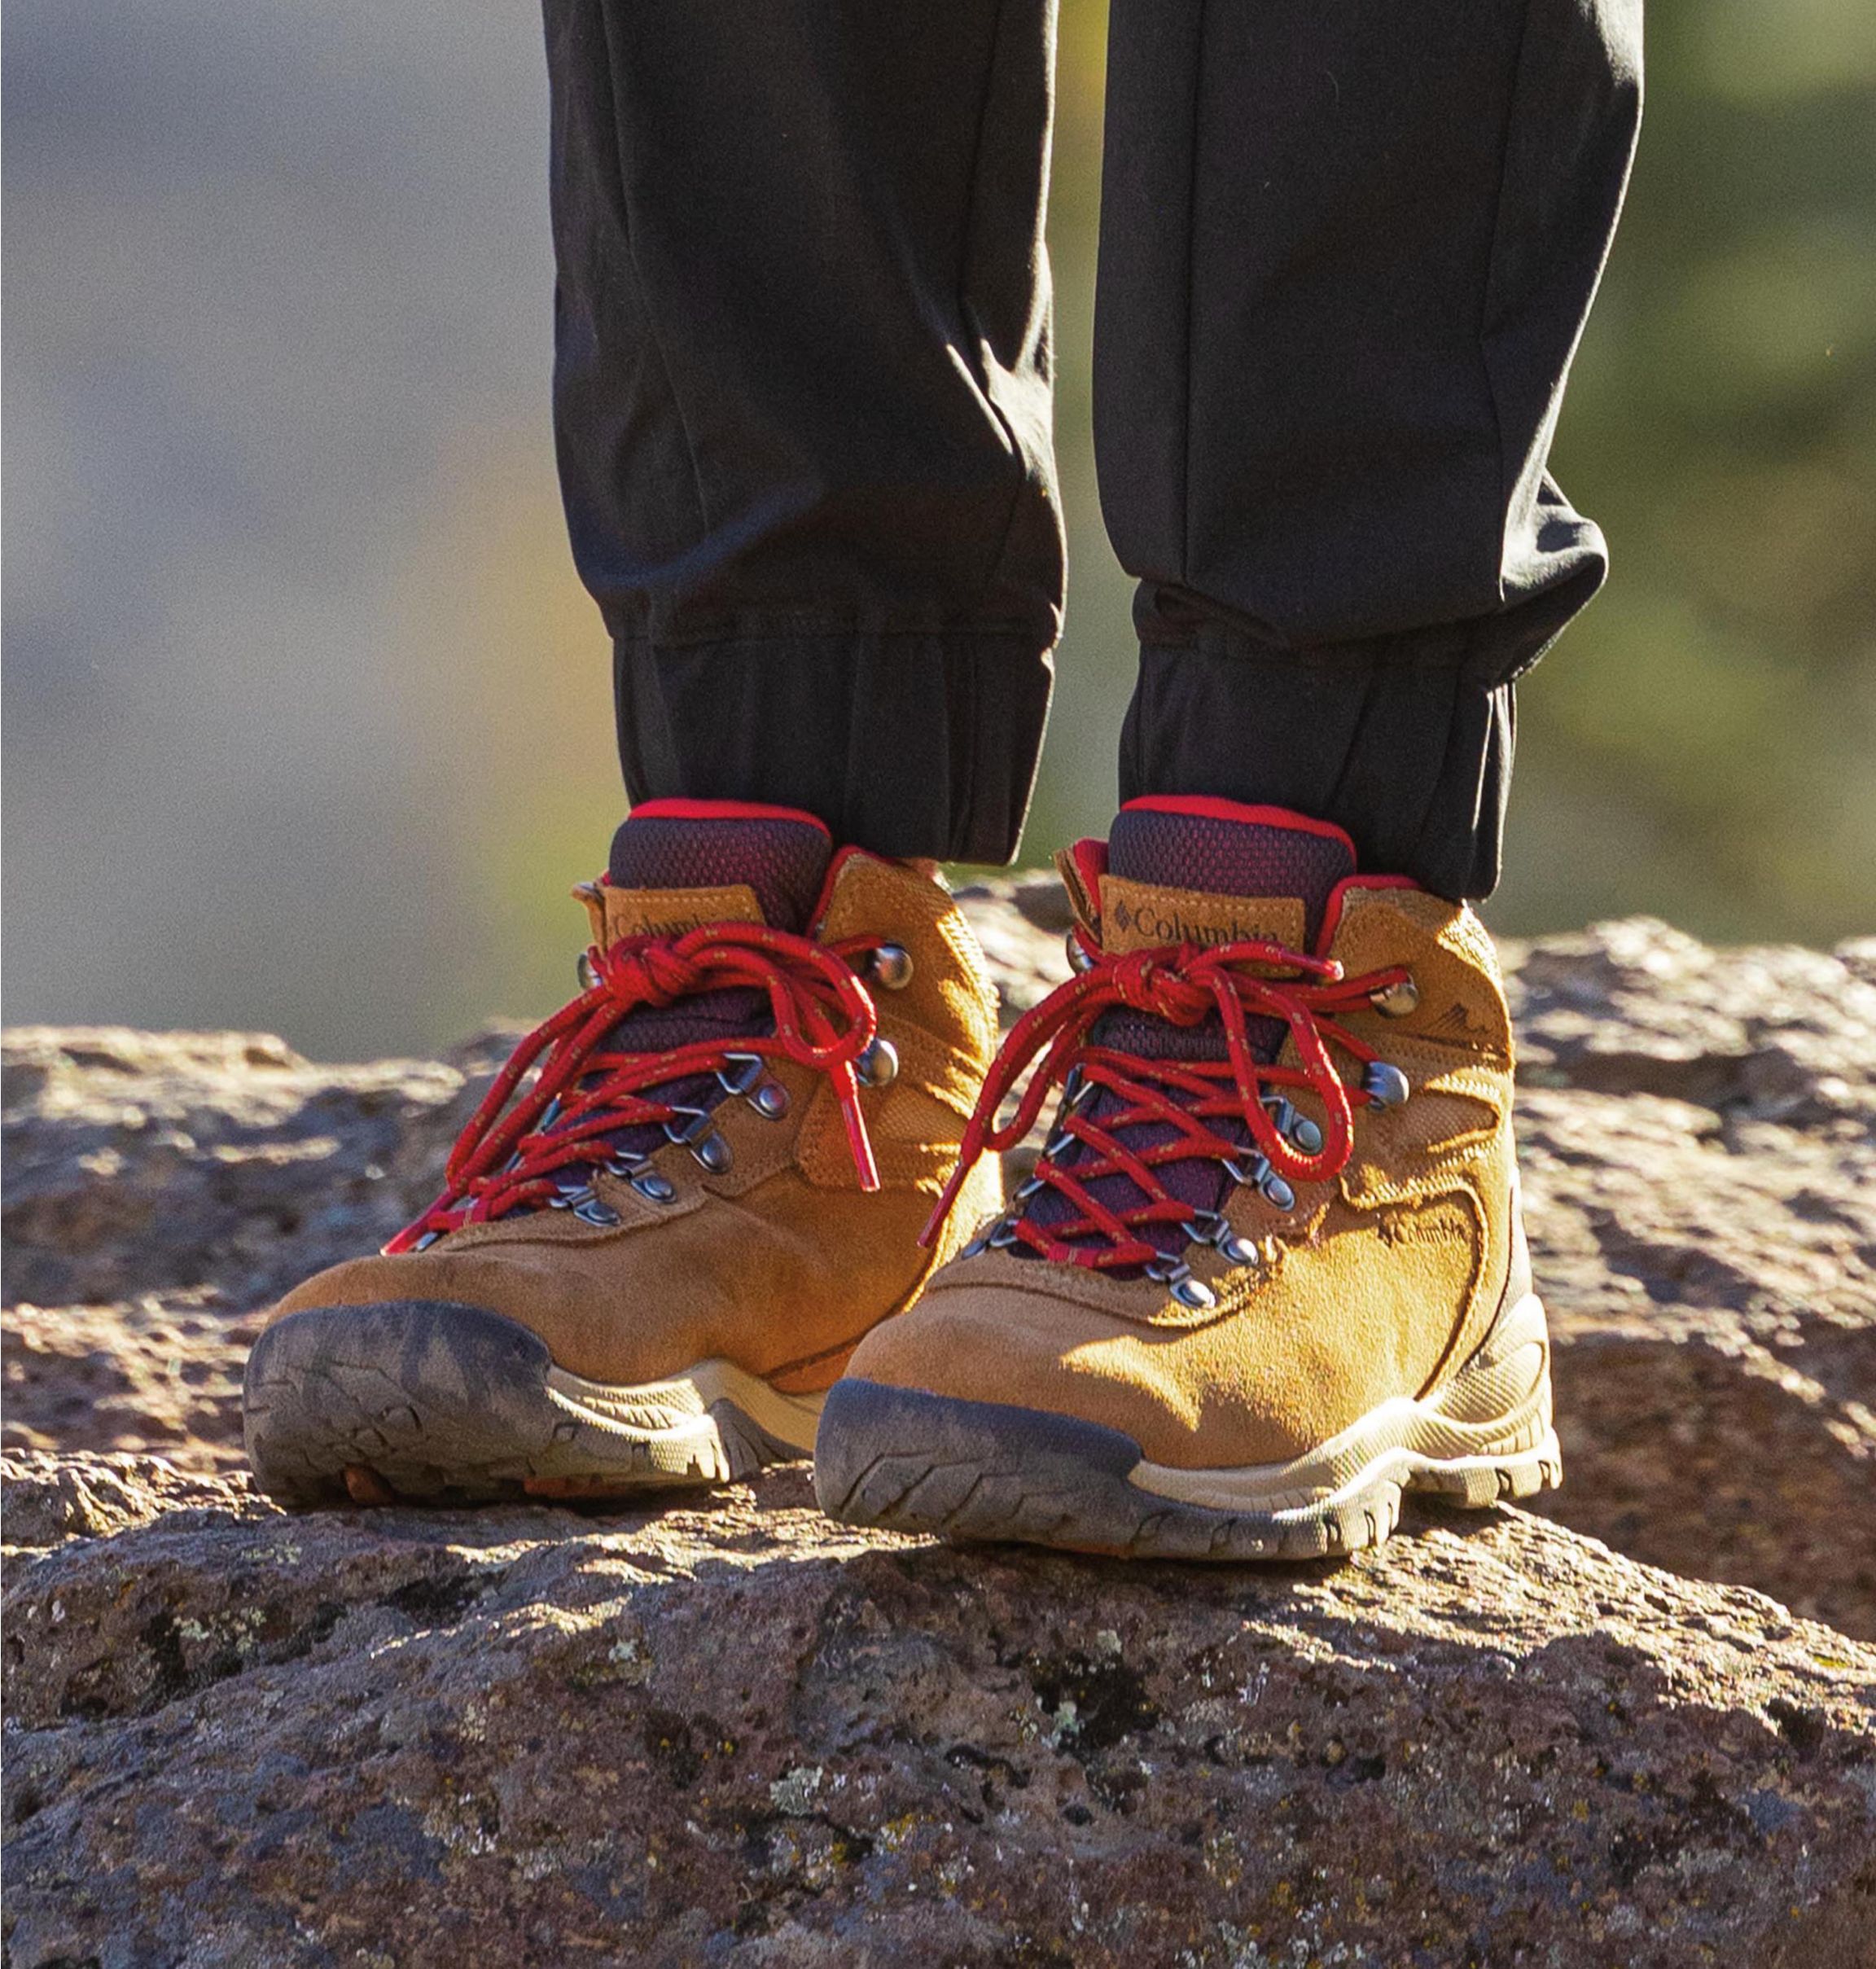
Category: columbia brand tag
[1143,916]
[664,912]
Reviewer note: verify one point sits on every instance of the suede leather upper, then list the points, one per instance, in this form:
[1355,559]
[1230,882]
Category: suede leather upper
[782,1263]
[1375,1285]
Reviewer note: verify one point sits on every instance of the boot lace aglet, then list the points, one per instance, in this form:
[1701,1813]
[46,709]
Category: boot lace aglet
[847,1088]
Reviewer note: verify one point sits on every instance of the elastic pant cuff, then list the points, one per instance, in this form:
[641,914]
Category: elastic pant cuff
[1407,746]
[916,743]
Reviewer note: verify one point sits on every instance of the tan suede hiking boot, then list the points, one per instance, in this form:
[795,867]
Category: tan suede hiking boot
[1270,1272]
[653,1257]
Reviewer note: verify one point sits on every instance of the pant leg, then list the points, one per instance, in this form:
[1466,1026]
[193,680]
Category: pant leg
[802,399]
[1348,247]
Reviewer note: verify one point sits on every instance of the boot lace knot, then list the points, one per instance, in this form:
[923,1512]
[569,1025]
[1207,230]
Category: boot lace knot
[1125,1113]
[521,1142]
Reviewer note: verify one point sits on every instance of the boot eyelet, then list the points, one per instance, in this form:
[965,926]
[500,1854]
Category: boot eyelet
[878,1065]
[1385,1086]
[654,1188]
[689,1134]
[890,966]
[601,1216]
[741,1073]
[714,1154]
[1255,1172]
[1209,1227]
[1176,1274]
[1203,1227]
[1397,1001]
[1294,1128]
[745,1075]
[584,971]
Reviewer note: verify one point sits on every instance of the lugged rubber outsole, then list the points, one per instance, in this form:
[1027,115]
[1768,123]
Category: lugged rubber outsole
[424,1399]
[911,1461]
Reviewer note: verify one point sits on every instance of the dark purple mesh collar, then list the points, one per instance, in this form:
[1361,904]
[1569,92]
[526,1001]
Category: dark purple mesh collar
[783,858]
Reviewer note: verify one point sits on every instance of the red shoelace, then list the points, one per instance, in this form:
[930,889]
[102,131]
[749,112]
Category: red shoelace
[1183,986]
[507,1157]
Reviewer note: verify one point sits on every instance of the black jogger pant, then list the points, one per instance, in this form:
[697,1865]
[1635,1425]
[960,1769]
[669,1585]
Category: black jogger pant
[802,395]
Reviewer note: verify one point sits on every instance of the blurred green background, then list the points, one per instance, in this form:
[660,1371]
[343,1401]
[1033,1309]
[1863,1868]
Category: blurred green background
[307,726]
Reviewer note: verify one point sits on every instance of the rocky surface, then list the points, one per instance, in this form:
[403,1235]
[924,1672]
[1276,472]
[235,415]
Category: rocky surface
[235,1738]
[1697,1139]
[519,1736]
[1700,1144]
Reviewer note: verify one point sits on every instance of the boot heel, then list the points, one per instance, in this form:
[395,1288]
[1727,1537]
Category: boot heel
[1487,1437]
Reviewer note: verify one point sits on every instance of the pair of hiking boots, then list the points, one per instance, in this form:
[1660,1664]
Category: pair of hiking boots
[742,1200]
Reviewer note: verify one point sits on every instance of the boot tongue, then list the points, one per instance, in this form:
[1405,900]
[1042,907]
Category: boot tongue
[1193,870]
[709,850]
[678,864]
[1189,870]
[1211,871]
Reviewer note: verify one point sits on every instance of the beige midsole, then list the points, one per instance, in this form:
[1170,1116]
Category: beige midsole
[1497,1407]
[678,1410]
